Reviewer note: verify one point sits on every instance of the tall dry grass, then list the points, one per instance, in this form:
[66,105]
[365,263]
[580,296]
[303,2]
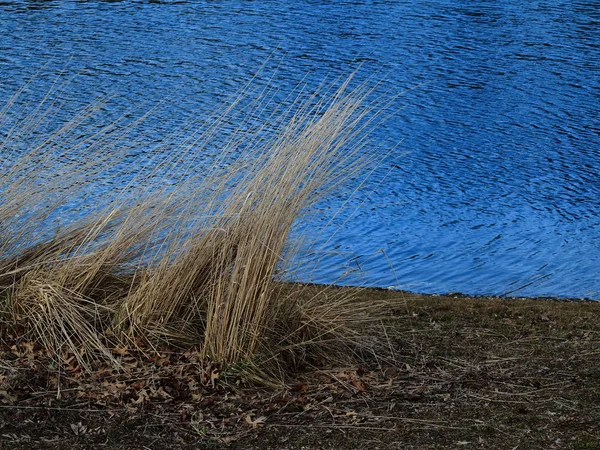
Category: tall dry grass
[194,265]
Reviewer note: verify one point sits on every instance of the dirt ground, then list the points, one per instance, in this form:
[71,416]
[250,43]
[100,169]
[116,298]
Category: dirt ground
[443,372]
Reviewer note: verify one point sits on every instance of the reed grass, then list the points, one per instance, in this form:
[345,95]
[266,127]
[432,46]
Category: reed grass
[192,265]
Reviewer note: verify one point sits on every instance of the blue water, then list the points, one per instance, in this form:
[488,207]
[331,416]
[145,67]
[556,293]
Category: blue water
[494,186]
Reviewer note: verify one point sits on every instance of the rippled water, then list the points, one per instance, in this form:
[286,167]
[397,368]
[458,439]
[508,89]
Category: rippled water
[494,188]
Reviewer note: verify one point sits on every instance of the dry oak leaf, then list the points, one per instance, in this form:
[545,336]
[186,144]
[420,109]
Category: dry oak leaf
[358,385]
[255,423]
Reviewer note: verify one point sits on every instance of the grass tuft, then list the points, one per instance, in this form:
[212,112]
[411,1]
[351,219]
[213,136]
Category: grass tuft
[192,265]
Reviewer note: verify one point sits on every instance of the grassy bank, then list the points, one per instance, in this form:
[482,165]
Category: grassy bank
[433,372]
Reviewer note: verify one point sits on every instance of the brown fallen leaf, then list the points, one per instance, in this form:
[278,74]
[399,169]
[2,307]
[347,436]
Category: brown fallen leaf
[121,351]
[255,423]
[214,377]
[390,372]
[359,385]
[299,387]
[78,429]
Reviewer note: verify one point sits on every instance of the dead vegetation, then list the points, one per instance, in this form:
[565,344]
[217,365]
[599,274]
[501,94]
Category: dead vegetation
[190,264]
[444,373]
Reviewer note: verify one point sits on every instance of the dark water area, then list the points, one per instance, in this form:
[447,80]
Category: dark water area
[492,186]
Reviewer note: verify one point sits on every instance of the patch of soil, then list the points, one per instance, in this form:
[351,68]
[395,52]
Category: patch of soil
[438,372]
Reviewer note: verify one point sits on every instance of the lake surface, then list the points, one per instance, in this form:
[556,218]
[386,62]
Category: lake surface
[494,187]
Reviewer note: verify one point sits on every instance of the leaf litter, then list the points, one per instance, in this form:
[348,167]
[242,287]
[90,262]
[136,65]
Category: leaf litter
[446,372]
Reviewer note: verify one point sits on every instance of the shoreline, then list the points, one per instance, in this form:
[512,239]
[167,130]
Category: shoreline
[459,294]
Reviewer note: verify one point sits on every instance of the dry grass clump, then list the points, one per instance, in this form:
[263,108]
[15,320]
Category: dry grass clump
[192,265]
[62,318]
